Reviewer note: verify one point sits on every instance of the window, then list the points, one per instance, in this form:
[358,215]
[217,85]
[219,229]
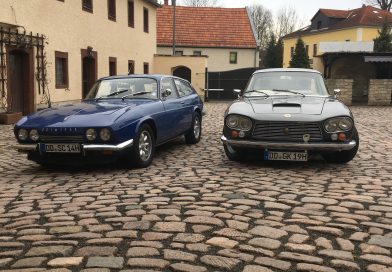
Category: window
[145,19]
[112,66]
[319,24]
[179,53]
[292,51]
[167,83]
[112,10]
[146,68]
[183,87]
[197,53]
[233,57]
[61,69]
[131,67]
[314,50]
[131,13]
[87,5]
[307,50]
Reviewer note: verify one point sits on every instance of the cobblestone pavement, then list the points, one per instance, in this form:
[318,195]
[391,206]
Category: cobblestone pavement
[193,210]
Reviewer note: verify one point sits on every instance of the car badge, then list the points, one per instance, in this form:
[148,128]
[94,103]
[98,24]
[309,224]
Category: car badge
[287,115]
[306,137]
[286,131]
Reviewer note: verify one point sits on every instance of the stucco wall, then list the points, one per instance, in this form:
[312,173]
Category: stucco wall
[166,65]
[70,29]
[380,91]
[219,58]
[346,89]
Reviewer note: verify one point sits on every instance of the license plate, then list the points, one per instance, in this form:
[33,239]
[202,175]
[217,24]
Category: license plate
[61,148]
[285,156]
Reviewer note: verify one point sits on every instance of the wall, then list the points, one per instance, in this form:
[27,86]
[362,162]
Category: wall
[69,29]
[219,58]
[352,34]
[380,91]
[345,86]
[166,64]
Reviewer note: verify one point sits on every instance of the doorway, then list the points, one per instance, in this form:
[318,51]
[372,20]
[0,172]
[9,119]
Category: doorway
[89,70]
[20,80]
[183,72]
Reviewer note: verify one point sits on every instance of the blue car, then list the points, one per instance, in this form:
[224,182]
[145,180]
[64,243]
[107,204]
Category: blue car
[121,117]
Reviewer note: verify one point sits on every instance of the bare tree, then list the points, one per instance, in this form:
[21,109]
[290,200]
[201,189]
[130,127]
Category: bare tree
[263,22]
[287,20]
[382,4]
[200,3]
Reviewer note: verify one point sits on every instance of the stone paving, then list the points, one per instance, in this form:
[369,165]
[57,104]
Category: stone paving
[193,210]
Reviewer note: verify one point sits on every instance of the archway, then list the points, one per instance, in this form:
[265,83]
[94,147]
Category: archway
[183,72]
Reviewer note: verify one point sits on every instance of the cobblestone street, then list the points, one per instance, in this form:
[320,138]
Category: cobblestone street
[193,210]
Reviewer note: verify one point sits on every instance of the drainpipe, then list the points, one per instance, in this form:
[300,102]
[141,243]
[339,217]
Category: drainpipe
[174,27]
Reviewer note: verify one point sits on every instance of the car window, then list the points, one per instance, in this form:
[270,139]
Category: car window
[183,87]
[167,83]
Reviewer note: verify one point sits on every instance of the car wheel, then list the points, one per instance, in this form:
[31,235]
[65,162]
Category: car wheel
[194,134]
[234,153]
[343,156]
[143,149]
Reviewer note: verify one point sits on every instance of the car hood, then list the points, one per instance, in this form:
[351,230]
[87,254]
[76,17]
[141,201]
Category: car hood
[93,113]
[288,105]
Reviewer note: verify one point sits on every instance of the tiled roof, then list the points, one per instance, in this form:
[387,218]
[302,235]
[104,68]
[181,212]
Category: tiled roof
[364,16]
[205,27]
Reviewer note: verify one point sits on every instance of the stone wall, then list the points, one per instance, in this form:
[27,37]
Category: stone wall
[346,89]
[380,92]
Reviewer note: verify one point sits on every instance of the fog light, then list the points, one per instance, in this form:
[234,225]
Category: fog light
[342,137]
[242,134]
[334,137]
[234,133]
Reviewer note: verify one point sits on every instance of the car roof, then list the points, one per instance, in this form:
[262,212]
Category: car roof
[154,76]
[287,70]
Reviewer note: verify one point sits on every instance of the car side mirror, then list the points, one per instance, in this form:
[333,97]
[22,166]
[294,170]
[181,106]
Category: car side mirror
[166,93]
[336,92]
[237,92]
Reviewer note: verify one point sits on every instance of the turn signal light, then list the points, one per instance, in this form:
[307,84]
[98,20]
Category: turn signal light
[234,133]
[342,137]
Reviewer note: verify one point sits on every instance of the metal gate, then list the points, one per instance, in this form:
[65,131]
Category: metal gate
[221,84]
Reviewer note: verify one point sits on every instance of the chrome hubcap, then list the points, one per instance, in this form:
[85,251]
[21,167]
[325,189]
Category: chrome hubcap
[145,145]
[196,127]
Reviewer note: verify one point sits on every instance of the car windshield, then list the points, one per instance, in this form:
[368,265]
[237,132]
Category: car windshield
[286,84]
[126,88]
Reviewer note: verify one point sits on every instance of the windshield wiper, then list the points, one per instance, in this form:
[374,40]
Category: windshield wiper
[134,94]
[288,91]
[257,91]
[112,94]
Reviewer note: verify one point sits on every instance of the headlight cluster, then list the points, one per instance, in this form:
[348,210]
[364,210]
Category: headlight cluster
[24,135]
[338,124]
[239,122]
[104,134]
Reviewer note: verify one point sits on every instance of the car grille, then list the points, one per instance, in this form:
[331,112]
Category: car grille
[287,131]
[61,139]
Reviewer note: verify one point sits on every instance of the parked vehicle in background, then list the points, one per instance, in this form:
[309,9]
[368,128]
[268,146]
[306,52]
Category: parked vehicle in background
[122,117]
[286,114]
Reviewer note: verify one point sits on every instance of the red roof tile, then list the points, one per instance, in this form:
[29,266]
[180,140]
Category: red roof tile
[205,27]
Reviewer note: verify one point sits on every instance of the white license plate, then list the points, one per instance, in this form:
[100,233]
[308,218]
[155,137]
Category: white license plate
[61,148]
[285,156]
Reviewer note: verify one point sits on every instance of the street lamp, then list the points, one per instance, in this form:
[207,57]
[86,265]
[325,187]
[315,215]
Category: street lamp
[174,27]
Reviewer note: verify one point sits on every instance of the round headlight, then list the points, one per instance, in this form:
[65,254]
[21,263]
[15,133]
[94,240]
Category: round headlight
[91,134]
[331,125]
[345,124]
[23,134]
[105,134]
[245,124]
[232,121]
[34,136]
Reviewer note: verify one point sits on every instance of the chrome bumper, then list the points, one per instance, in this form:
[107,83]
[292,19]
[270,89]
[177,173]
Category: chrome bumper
[86,147]
[291,146]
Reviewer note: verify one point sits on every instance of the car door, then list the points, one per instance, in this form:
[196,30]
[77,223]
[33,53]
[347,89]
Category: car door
[171,119]
[185,91]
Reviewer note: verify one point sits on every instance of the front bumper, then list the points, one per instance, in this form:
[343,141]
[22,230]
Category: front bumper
[25,148]
[322,146]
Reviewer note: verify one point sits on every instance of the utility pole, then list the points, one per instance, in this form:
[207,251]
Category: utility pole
[174,27]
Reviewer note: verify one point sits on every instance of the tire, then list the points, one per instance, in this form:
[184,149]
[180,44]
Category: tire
[143,150]
[235,153]
[194,134]
[342,157]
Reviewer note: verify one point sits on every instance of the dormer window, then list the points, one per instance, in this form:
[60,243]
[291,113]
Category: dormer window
[319,23]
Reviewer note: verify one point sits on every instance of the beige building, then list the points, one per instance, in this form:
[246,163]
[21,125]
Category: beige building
[61,47]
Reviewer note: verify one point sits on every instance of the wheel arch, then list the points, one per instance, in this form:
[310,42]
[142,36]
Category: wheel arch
[151,123]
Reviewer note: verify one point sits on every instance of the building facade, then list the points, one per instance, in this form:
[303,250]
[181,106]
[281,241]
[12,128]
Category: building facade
[60,47]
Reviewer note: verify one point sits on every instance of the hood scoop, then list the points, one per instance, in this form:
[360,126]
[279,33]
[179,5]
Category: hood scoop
[286,105]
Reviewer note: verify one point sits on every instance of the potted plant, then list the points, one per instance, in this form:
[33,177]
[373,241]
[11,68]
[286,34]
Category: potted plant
[7,114]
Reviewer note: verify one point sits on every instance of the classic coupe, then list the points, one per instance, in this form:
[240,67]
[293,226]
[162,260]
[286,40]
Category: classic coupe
[121,117]
[288,114]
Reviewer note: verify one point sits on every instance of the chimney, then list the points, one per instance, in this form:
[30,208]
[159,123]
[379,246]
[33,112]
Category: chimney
[166,2]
